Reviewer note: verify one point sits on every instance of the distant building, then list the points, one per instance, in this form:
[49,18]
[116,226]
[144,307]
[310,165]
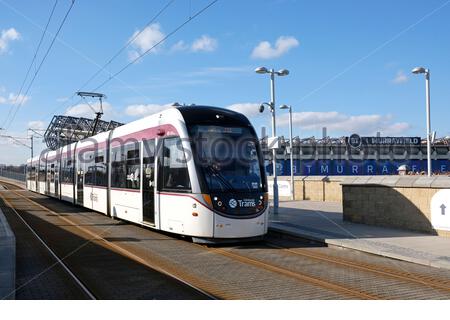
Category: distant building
[357,155]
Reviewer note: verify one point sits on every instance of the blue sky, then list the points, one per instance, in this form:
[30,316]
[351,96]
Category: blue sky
[350,62]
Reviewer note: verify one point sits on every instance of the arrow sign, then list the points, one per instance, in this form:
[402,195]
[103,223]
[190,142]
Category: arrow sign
[443,207]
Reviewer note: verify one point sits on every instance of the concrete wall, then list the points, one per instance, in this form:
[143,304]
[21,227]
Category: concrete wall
[7,259]
[395,201]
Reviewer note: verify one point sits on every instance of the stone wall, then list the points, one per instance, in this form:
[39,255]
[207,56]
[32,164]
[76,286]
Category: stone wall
[394,201]
[316,188]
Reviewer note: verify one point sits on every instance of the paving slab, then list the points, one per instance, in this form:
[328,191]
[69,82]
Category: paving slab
[322,221]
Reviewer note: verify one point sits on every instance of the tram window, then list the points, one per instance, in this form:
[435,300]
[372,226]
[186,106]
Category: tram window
[42,173]
[89,175]
[101,176]
[67,171]
[52,172]
[126,167]
[29,172]
[175,171]
[149,152]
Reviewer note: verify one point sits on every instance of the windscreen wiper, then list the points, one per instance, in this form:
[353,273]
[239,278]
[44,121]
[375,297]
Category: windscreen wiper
[221,178]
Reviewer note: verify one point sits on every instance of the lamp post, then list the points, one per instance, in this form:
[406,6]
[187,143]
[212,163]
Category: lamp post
[422,70]
[272,72]
[284,107]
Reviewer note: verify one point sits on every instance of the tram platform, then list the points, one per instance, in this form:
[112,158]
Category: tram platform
[7,259]
[323,222]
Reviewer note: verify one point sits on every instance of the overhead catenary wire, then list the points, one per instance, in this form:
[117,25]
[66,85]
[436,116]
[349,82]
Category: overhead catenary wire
[127,44]
[139,57]
[174,31]
[31,64]
[41,63]
[114,56]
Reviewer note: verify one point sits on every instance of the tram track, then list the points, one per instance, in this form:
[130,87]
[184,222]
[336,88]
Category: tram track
[403,276]
[283,262]
[58,260]
[97,237]
[299,276]
[383,271]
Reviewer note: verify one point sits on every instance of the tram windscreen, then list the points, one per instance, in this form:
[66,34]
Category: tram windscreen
[228,158]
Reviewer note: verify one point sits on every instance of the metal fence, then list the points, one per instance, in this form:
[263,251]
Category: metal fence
[12,175]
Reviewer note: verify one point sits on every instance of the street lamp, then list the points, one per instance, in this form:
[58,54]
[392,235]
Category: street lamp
[284,107]
[272,72]
[422,70]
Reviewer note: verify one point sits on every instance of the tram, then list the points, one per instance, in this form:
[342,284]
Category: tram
[195,171]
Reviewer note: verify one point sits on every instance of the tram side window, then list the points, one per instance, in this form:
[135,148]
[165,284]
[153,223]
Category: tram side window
[67,171]
[126,167]
[89,165]
[52,173]
[42,172]
[148,160]
[101,177]
[29,172]
[174,172]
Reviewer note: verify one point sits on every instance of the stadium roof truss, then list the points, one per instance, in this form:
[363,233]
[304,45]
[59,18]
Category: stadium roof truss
[64,130]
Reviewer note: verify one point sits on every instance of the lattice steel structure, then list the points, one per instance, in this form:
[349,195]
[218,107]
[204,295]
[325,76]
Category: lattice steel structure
[64,130]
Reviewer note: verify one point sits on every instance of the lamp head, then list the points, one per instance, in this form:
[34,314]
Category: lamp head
[261,70]
[283,72]
[419,70]
[285,106]
[261,108]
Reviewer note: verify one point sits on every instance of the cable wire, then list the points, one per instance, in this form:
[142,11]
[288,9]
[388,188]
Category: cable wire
[42,62]
[31,64]
[144,53]
[156,44]
[127,44]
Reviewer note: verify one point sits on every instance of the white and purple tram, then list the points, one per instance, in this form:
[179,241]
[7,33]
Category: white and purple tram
[195,171]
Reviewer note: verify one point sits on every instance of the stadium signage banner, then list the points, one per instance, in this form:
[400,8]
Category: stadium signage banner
[354,167]
[357,141]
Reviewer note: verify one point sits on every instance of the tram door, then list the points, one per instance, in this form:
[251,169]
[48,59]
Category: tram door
[148,181]
[80,186]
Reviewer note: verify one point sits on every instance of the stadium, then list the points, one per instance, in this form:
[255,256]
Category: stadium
[370,156]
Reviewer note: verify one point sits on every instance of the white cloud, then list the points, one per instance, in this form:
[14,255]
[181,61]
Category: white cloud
[37,124]
[6,37]
[336,122]
[86,111]
[204,43]
[142,110]
[179,46]
[265,50]
[14,99]
[17,99]
[148,38]
[250,110]
[400,78]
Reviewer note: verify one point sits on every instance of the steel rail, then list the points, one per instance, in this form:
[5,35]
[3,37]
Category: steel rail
[388,272]
[118,248]
[297,275]
[52,253]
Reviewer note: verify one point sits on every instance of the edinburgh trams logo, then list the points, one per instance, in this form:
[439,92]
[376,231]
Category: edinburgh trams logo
[232,203]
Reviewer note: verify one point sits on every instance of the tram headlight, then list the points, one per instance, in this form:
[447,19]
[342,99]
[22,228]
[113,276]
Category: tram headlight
[207,199]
